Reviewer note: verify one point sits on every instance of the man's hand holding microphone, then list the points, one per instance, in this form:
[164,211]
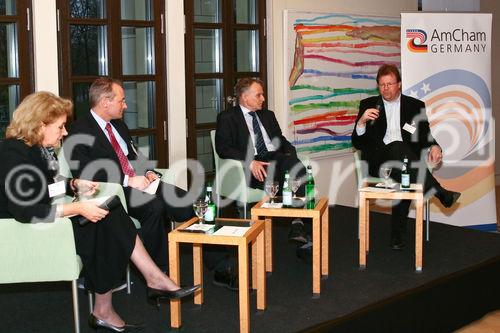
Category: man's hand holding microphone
[369,116]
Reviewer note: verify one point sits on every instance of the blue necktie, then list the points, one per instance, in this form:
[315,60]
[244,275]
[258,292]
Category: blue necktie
[260,145]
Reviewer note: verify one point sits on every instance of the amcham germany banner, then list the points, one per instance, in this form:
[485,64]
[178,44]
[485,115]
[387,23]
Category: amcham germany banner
[446,62]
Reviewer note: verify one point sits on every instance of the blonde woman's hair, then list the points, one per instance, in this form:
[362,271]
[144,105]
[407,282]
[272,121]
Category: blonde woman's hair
[36,109]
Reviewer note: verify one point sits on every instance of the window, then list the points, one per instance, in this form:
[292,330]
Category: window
[225,41]
[124,40]
[16,78]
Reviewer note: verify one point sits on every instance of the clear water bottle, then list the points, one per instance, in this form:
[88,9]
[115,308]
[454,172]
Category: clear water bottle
[287,191]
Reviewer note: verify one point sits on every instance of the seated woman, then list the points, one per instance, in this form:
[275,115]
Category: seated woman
[29,171]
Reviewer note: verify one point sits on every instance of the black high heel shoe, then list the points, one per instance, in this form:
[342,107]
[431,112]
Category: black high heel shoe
[96,323]
[155,296]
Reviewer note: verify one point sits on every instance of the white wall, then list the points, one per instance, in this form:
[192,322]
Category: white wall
[329,170]
[45,45]
[176,89]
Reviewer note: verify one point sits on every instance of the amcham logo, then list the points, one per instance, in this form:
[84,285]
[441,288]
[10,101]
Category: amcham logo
[417,39]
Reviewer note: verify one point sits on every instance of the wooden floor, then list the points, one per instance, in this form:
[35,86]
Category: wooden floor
[491,322]
[488,324]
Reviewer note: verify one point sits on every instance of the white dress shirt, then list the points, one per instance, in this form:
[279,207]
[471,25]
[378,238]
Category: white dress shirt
[249,121]
[393,116]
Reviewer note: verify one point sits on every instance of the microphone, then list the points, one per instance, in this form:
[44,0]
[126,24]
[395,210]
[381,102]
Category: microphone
[378,107]
[132,144]
[110,203]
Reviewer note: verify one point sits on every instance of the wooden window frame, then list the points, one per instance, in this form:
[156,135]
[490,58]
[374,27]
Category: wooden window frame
[114,24]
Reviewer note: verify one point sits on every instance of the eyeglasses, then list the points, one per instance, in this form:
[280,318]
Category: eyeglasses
[387,85]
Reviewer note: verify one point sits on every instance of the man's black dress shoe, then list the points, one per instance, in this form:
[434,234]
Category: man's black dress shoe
[304,252]
[226,279]
[297,232]
[157,295]
[96,323]
[397,243]
[447,198]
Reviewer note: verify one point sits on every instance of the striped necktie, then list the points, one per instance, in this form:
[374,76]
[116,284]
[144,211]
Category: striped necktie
[260,145]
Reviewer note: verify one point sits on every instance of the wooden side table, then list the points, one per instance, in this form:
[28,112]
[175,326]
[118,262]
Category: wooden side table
[254,235]
[364,220]
[319,216]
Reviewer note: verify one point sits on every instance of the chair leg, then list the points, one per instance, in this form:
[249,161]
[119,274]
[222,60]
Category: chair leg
[128,279]
[76,312]
[91,302]
[427,218]
[244,210]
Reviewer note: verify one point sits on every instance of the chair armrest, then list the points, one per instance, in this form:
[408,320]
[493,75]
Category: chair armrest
[105,190]
[304,159]
[110,189]
[231,182]
[168,175]
[38,252]
[230,177]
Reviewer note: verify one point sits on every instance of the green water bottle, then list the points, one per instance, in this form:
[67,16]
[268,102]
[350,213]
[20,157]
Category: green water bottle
[310,202]
[211,208]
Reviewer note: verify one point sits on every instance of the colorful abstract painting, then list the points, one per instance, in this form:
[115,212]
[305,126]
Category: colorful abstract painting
[332,63]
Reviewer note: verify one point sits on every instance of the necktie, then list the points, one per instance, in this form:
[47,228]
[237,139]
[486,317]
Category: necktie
[260,145]
[126,167]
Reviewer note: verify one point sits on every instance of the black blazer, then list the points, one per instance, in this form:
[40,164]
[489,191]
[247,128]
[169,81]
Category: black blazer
[24,176]
[91,156]
[412,110]
[232,138]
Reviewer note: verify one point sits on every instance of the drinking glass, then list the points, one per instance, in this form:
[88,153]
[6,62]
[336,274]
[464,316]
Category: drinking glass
[295,186]
[200,207]
[271,189]
[386,172]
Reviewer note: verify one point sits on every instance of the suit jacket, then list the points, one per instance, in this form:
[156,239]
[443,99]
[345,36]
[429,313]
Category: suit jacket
[232,138]
[412,111]
[94,151]
[28,199]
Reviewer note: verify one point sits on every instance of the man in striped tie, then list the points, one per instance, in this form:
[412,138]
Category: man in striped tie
[109,155]
[251,134]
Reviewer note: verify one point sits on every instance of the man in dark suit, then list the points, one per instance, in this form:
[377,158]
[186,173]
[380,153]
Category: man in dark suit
[252,135]
[100,144]
[392,126]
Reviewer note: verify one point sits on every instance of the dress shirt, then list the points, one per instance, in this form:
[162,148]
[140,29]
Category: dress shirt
[123,145]
[248,120]
[393,116]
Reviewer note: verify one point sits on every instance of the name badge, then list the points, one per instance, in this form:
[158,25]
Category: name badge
[409,128]
[57,189]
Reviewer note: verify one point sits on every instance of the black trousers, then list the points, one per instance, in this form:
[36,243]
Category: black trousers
[155,212]
[279,164]
[393,154]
